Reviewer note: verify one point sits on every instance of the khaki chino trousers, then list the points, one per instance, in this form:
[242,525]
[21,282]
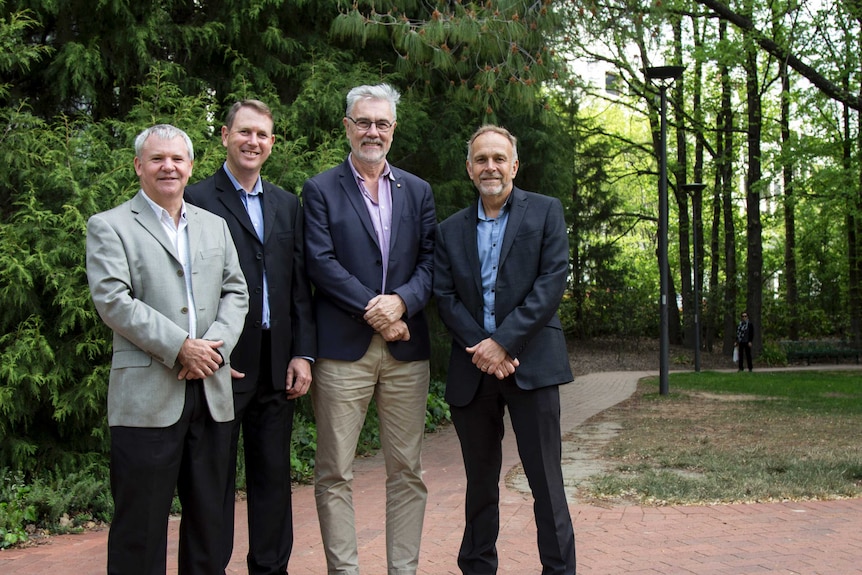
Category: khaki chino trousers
[341,393]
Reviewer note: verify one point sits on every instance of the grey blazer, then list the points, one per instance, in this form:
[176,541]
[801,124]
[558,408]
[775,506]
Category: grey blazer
[138,288]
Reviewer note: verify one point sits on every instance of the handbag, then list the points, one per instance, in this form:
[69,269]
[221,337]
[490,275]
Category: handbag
[735,354]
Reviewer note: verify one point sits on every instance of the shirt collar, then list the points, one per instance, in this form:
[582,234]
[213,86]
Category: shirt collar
[387,170]
[162,212]
[255,190]
[503,210]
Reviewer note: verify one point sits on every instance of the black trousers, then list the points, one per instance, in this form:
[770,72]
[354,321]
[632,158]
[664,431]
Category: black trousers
[147,464]
[265,416]
[745,354]
[535,419]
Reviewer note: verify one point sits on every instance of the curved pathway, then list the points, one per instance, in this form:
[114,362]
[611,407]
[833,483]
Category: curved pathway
[811,538]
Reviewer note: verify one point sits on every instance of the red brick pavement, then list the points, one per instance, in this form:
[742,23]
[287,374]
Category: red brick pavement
[806,538]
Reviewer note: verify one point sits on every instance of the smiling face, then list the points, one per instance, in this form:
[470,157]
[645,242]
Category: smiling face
[492,166]
[370,146]
[164,167]
[248,141]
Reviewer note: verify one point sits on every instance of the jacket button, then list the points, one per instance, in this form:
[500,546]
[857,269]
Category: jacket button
[259,255]
[184,310]
[180,273]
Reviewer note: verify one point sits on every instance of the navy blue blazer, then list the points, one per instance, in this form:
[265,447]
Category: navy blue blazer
[531,280]
[345,266]
[292,330]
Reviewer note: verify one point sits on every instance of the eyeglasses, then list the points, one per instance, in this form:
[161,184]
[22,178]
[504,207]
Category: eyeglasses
[745,315]
[365,125]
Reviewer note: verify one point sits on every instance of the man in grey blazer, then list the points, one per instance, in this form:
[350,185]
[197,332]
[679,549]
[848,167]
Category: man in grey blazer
[165,277]
[500,269]
[369,240]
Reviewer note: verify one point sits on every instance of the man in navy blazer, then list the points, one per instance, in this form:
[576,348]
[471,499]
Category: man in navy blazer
[271,361]
[165,277]
[369,242]
[500,270]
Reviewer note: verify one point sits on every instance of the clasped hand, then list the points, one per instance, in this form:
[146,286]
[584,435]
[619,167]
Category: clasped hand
[383,313]
[199,358]
[490,357]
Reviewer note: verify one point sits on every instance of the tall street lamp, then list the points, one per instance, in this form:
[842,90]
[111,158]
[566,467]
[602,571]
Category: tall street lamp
[693,189]
[663,77]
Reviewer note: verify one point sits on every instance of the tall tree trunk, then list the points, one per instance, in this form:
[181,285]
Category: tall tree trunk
[790,290]
[725,169]
[697,177]
[754,265]
[854,239]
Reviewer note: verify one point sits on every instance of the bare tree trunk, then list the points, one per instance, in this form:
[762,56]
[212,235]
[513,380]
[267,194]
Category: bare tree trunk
[854,241]
[754,229]
[697,177]
[790,289]
[725,168]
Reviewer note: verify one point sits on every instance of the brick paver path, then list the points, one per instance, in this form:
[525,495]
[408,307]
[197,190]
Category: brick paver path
[806,538]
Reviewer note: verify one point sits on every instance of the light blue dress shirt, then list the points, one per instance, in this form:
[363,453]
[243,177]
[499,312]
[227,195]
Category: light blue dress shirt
[489,236]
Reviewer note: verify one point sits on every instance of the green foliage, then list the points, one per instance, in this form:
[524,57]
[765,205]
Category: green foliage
[59,501]
[303,446]
[15,512]
[492,55]
[437,410]
[772,355]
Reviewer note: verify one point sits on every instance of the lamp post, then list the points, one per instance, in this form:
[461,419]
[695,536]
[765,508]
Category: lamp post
[692,189]
[663,77]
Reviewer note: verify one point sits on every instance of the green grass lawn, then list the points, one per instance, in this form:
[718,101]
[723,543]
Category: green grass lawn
[736,437]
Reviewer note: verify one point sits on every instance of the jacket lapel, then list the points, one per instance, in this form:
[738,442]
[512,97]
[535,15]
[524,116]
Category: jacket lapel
[354,196]
[231,200]
[517,211]
[145,216]
[270,206]
[399,190]
[471,245]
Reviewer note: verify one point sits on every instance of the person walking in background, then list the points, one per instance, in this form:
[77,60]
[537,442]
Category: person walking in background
[369,242]
[165,277]
[271,364]
[744,340]
[500,271]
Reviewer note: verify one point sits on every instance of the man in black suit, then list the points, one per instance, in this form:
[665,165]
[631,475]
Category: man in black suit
[271,364]
[500,270]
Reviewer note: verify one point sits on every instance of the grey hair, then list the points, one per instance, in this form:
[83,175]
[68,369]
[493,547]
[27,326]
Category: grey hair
[496,130]
[378,92]
[163,132]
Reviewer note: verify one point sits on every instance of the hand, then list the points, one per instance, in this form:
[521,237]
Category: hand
[490,357]
[298,379]
[236,374]
[384,310]
[199,358]
[397,331]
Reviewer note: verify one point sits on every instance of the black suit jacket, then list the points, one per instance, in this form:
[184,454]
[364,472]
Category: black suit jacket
[345,265]
[531,280]
[291,321]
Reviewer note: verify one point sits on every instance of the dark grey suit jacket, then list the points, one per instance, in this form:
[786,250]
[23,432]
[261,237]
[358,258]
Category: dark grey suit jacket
[282,253]
[531,280]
